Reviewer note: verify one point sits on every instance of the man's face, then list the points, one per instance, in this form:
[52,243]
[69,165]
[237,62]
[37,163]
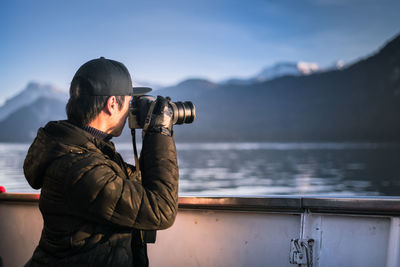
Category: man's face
[120,117]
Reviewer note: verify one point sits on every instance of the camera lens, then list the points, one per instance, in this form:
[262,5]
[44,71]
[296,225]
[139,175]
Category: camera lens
[184,112]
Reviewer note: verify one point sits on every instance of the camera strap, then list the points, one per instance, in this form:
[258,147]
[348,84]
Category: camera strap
[133,133]
[148,118]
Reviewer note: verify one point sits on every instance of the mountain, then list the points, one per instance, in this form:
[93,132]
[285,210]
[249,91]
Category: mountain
[189,88]
[30,94]
[154,86]
[360,102]
[286,68]
[275,71]
[22,125]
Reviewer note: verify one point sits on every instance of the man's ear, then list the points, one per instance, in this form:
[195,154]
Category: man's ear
[111,105]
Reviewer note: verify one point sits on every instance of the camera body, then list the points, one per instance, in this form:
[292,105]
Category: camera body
[182,112]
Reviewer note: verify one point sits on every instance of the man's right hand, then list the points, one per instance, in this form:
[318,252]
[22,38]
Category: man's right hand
[161,118]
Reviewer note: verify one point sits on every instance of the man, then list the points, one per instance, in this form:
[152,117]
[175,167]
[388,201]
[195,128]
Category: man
[96,209]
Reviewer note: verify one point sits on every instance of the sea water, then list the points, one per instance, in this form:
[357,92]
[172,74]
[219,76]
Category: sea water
[250,169]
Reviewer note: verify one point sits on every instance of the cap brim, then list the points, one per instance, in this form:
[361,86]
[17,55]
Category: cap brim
[139,90]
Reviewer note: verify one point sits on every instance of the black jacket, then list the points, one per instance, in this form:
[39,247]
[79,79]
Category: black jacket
[91,200]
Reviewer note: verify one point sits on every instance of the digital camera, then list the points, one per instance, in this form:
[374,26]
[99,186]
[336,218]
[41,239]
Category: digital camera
[183,112]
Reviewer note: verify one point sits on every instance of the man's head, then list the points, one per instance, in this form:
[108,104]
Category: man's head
[101,87]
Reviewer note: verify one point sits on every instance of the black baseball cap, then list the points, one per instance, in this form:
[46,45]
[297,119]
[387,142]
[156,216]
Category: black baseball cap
[106,77]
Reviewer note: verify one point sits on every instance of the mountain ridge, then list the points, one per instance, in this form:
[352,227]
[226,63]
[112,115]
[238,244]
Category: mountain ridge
[359,102]
[22,125]
[30,94]
[280,69]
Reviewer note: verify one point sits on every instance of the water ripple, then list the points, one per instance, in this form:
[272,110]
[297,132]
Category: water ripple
[260,168]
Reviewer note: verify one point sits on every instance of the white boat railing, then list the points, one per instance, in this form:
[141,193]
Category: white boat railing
[245,231]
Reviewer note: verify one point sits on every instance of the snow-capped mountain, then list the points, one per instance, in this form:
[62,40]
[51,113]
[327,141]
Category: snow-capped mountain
[278,70]
[30,94]
[287,68]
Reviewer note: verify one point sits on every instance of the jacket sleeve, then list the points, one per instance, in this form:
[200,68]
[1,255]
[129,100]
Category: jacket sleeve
[100,191]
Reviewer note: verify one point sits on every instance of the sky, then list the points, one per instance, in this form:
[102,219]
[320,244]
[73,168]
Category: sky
[165,42]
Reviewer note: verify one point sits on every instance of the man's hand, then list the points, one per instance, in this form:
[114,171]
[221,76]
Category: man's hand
[159,117]
[142,104]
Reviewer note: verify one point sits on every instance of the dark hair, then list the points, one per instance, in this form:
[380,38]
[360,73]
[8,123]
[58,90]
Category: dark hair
[82,108]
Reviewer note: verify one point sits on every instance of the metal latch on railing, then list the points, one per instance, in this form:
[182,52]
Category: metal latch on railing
[301,252]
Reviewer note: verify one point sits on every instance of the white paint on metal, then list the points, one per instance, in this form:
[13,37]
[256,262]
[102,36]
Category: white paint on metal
[393,256]
[226,238]
[312,229]
[202,237]
[20,228]
[345,240]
